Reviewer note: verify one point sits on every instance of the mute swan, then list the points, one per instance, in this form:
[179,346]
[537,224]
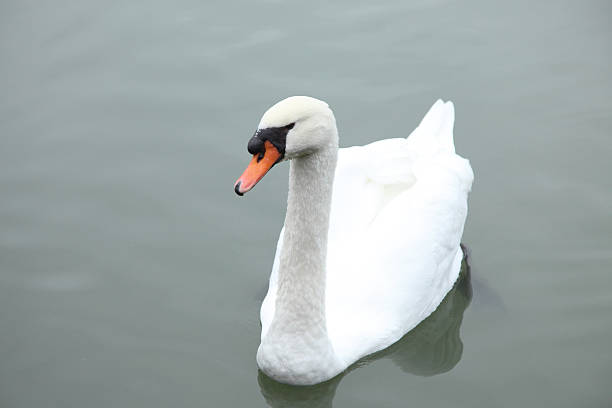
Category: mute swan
[370,245]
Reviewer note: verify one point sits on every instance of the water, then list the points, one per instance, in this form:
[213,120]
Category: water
[131,274]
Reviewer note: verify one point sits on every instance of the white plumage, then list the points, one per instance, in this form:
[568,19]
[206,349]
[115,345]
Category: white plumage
[395,222]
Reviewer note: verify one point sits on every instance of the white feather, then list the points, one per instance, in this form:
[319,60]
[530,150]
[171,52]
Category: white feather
[398,209]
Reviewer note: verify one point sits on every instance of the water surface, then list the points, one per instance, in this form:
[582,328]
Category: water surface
[131,274]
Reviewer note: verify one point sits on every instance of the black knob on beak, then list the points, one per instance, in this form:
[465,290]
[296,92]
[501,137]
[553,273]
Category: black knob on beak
[256,146]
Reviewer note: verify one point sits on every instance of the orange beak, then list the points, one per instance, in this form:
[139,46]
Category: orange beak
[258,168]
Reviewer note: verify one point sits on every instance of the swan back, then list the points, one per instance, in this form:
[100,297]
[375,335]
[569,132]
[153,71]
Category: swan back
[398,211]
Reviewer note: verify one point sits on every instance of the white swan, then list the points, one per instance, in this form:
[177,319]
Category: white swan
[370,244]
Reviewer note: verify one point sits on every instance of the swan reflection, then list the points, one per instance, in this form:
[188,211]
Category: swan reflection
[433,347]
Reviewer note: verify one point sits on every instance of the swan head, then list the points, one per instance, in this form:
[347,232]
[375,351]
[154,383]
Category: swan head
[294,127]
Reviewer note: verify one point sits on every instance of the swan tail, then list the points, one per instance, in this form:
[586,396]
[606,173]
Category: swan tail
[435,132]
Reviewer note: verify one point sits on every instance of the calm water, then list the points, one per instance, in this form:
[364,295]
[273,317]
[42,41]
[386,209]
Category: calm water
[131,274]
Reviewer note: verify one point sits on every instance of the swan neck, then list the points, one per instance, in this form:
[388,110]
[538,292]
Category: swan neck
[296,348]
[302,263]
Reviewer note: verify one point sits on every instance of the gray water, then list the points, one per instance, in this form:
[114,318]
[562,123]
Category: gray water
[131,274]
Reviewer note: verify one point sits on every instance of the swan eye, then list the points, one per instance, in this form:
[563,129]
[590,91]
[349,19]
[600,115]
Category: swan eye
[290,126]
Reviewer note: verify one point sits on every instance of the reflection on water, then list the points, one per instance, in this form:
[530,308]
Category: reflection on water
[279,395]
[433,347]
[128,268]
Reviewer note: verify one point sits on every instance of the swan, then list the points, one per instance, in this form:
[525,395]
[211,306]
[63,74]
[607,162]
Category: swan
[371,240]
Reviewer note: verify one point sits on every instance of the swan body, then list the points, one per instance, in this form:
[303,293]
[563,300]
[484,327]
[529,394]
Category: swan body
[370,245]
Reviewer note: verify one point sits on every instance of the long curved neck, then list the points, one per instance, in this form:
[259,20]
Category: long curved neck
[296,348]
[301,285]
